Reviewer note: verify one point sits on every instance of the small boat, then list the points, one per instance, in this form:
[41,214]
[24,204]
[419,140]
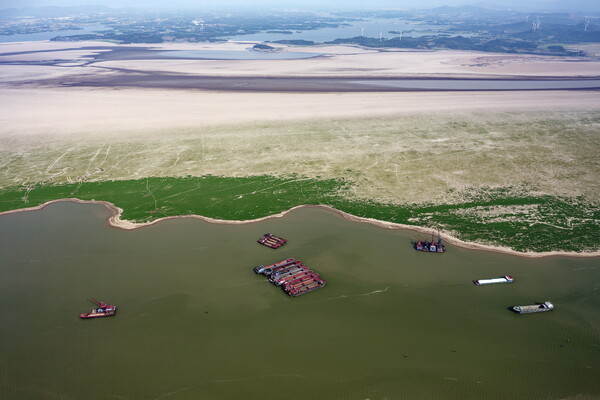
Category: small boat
[545,306]
[103,310]
[504,279]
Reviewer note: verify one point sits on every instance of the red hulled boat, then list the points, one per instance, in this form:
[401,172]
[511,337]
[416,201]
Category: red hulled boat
[272,241]
[103,310]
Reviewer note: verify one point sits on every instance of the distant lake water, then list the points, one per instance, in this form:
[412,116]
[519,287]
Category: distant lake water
[370,27]
[195,322]
[482,84]
[236,55]
[30,37]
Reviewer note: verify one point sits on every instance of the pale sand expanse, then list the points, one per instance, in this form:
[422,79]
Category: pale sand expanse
[115,221]
[353,61]
[55,54]
[338,61]
[592,49]
[446,63]
[17,74]
[30,110]
[63,111]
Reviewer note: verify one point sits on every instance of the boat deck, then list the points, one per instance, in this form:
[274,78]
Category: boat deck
[534,308]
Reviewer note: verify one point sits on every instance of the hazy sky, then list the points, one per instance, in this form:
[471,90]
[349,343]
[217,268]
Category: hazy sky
[581,5]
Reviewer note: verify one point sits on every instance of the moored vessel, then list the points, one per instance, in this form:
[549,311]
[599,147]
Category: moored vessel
[430,246]
[504,279]
[272,241]
[269,269]
[103,310]
[545,306]
[292,276]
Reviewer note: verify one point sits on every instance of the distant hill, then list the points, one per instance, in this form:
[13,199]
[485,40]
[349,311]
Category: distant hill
[51,11]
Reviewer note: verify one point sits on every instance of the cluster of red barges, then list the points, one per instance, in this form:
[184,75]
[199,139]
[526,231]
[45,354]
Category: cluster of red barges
[272,241]
[292,276]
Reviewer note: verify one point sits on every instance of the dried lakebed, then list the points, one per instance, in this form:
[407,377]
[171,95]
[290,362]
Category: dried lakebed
[359,82]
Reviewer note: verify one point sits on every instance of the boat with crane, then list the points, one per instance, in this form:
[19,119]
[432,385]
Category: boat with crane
[103,310]
[430,246]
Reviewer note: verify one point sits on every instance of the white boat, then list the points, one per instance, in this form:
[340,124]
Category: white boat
[545,306]
[504,279]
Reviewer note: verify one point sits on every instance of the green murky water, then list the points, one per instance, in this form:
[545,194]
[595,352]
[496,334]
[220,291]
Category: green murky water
[195,322]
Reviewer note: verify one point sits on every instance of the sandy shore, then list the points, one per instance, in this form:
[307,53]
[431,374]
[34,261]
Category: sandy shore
[115,221]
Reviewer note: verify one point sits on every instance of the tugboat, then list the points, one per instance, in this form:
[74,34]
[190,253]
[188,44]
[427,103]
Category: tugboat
[103,310]
[430,247]
[545,306]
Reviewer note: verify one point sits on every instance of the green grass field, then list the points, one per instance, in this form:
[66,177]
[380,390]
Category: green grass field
[509,217]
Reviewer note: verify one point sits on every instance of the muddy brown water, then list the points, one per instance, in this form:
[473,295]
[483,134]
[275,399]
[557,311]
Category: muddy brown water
[194,321]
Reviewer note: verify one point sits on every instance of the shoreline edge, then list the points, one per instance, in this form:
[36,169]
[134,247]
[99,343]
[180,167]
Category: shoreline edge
[115,221]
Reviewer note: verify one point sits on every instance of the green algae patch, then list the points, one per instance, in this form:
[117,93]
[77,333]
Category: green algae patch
[144,200]
[501,217]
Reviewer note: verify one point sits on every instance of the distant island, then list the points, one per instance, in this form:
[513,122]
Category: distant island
[462,43]
[295,42]
[281,32]
[265,48]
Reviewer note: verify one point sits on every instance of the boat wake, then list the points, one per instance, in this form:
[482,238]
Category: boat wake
[345,296]
[169,394]
[375,292]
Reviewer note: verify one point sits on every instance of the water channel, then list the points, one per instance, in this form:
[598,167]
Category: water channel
[30,37]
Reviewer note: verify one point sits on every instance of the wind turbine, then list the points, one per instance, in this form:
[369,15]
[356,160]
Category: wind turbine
[362,31]
[199,22]
[380,35]
[536,24]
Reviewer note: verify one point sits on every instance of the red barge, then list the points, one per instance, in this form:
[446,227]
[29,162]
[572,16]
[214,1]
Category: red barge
[103,310]
[272,241]
[292,276]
